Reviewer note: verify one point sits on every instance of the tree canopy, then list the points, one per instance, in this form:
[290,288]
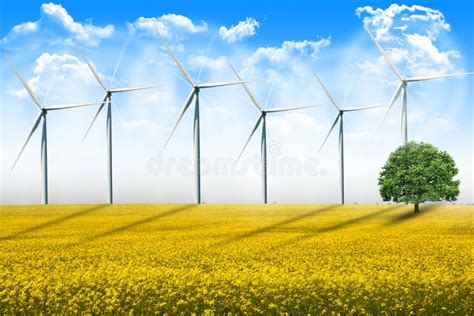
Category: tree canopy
[419,172]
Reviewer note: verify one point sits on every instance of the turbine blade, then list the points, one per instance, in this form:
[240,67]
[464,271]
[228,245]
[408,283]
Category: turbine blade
[250,137]
[24,82]
[119,60]
[327,93]
[330,130]
[94,72]
[96,115]
[127,89]
[433,77]
[223,83]
[186,106]
[286,109]
[385,56]
[180,66]
[71,106]
[366,108]
[390,105]
[251,96]
[33,129]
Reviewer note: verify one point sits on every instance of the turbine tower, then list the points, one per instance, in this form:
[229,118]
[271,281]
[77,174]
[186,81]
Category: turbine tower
[108,129]
[403,86]
[195,90]
[340,119]
[44,134]
[263,143]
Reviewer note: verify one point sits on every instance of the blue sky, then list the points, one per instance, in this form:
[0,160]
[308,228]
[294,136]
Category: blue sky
[278,42]
[282,19]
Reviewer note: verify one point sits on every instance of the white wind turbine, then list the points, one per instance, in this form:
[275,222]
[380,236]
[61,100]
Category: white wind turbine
[340,119]
[108,100]
[195,89]
[402,87]
[263,144]
[44,139]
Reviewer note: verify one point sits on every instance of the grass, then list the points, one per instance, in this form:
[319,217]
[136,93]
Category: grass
[377,259]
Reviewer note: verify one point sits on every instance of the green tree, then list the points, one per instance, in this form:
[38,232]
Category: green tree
[418,172]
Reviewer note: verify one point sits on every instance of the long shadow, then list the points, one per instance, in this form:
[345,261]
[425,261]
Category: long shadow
[275,226]
[52,222]
[357,219]
[133,224]
[411,215]
[340,225]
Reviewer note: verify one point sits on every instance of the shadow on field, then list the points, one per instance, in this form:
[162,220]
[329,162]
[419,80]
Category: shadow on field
[53,222]
[357,219]
[131,225]
[409,215]
[275,226]
[338,226]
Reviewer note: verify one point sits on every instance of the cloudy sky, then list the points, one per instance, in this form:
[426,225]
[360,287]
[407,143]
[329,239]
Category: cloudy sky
[278,43]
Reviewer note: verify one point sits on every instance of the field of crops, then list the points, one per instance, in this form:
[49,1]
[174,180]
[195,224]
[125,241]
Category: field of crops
[236,259]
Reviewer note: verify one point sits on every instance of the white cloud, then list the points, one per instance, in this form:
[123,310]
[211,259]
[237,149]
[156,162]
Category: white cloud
[379,66]
[26,27]
[198,61]
[166,24]
[64,62]
[146,119]
[19,30]
[19,93]
[281,54]
[403,17]
[87,34]
[428,59]
[242,30]
[57,69]
[410,36]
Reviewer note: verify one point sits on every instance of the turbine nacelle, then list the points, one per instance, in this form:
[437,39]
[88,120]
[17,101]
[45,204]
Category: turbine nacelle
[108,100]
[108,92]
[339,118]
[194,94]
[263,112]
[340,110]
[41,118]
[404,86]
[196,88]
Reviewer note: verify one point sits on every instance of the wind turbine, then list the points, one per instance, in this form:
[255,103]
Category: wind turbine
[195,90]
[263,143]
[403,86]
[44,139]
[340,119]
[108,129]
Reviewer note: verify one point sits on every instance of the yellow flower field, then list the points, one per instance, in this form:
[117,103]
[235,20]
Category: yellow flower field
[244,259]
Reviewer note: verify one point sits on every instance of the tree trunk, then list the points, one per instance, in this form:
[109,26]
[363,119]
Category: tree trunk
[417,209]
